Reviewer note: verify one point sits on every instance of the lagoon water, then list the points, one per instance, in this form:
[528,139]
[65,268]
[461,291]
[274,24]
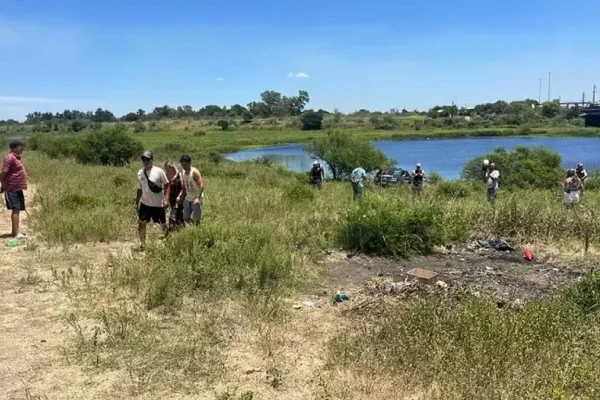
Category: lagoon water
[445,156]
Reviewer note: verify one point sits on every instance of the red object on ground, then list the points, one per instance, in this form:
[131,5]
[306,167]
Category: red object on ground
[528,255]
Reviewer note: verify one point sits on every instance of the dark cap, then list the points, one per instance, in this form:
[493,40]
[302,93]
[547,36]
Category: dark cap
[14,144]
[185,159]
[148,155]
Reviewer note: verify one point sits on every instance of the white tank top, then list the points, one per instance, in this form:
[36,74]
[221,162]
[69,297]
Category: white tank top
[192,190]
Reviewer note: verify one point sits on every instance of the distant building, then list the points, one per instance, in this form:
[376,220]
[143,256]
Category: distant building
[592,117]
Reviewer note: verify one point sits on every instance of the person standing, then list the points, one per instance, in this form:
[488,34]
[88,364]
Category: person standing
[152,195]
[582,175]
[194,191]
[357,177]
[571,187]
[13,182]
[175,190]
[317,175]
[418,175]
[493,178]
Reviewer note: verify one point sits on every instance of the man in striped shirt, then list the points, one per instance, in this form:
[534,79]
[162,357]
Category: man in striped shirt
[13,182]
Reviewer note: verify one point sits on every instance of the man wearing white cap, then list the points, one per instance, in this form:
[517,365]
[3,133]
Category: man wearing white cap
[317,175]
[418,175]
[493,179]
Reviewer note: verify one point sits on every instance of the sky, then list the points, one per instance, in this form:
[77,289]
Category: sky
[379,54]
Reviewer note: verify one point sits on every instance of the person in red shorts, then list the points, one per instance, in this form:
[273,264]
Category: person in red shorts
[13,182]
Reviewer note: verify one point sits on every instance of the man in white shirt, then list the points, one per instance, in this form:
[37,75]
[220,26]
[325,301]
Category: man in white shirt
[493,177]
[152,195]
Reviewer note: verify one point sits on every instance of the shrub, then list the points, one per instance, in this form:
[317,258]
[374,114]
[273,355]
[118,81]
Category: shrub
[525,167]
[247,117]
[199,133]
[223,124]
[435,178]
[388,227]
[454,189]
[111,146]
[139,127]
[311,120]
[78,125]
[53,146]
[298,193]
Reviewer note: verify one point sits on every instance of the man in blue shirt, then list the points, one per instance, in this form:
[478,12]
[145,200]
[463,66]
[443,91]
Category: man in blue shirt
[357,177]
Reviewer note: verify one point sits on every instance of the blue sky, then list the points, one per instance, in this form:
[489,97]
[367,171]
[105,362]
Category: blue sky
[381,54]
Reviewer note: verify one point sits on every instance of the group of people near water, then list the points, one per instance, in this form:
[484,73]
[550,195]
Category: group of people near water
[573,184]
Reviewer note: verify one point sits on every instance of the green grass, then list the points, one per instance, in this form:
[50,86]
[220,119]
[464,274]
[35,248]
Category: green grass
[470,349]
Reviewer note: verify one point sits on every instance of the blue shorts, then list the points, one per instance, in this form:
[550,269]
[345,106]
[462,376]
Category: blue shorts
[15,200]
[192,211]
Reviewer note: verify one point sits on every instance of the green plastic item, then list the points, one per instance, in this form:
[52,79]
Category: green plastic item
[15,242]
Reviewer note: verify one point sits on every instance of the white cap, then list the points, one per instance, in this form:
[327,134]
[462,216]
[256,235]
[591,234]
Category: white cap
[315,162]
[418,164]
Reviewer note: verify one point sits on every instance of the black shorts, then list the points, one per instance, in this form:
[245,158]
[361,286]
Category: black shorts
[15,200]
[154,214]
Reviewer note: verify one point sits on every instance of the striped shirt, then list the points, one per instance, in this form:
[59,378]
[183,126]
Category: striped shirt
[15,177]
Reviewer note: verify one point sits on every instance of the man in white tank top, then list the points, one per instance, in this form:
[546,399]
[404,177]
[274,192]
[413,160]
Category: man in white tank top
[193,191]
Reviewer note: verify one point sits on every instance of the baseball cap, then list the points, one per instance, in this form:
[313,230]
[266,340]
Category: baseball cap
[148,155]
[315,162]
[418,164]
[14,144]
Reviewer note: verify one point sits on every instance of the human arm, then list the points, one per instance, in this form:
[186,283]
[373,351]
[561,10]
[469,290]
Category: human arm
[138,193]
[322,174]
[183,191]
[6,165]
[199,184]
[166,189]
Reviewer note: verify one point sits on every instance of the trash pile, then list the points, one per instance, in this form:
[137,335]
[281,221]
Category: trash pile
[412,289]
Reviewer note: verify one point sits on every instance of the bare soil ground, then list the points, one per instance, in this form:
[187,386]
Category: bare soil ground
[283,361]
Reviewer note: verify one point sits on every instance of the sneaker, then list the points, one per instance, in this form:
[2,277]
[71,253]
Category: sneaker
[20,236]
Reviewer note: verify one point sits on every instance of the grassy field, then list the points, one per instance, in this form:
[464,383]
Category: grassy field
[181,318]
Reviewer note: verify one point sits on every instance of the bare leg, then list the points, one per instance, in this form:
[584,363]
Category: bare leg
[15,219]
[142,231]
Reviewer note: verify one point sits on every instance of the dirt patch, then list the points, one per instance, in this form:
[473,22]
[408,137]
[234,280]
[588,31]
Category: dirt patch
[493,273]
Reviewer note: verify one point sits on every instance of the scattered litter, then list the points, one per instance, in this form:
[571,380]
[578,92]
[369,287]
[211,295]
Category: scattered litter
[350,255]
[420,273]
[15,242]
[297,306]
[500,245]
[528,255]
[461,259]
[489,268]
[555,269]
[442,284]
[340,297]
[252,370]
[313,303]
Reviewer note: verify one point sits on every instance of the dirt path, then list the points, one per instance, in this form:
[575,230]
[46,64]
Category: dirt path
[33,304]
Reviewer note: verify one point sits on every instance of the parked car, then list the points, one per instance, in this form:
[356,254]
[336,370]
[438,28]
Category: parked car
[392,176]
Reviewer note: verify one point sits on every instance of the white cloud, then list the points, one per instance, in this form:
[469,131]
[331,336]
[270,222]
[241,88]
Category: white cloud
[28,99]
[297,75]
[220,79]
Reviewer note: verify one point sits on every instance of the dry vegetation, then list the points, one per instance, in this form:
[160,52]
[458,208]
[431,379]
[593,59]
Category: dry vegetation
[208,313]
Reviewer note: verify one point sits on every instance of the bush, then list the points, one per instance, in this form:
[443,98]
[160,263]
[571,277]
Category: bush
[200,133]
[454,189]
[53,146]
[435,178]
[78,125]
[311,120]
[247,117]
[139,127]
[111,146]
[223,124]
[388,227]
[343,152]
[525,167]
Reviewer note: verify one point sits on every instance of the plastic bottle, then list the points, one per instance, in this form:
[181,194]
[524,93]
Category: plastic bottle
[15,242]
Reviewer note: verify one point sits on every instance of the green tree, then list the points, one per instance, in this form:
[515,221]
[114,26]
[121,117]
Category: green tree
[343,152]
[525,167]
[311,120]
[551,109]
[110,146]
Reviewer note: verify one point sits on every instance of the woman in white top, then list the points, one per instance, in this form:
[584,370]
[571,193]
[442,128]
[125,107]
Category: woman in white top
[571,187]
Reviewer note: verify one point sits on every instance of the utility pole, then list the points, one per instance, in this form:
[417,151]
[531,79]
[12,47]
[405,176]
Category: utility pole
[583,100]
[540,93]
[594,95]
[549,84]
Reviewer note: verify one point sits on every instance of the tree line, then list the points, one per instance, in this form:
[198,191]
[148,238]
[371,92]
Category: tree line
[274,104]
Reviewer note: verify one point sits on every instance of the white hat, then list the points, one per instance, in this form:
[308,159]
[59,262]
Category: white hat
[315,162]
[418,164]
